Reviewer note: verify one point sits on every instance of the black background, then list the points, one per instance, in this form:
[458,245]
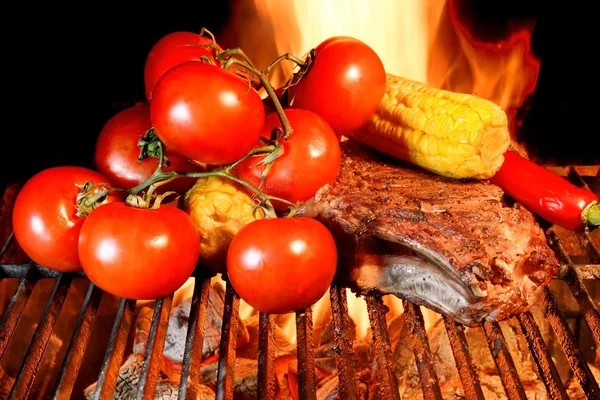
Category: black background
[67,69]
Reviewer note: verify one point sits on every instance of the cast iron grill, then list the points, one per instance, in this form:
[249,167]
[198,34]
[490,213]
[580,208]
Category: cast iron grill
[29,274]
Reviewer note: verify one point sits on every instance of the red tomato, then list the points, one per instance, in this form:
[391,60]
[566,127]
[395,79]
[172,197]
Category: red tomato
[173,49]
[311,159]
[282,265]
[138,253]
[206,113]
[117,152]
[344,84]
[44,220]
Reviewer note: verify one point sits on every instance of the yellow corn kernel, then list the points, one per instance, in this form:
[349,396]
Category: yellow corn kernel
[220,208]
[452,134]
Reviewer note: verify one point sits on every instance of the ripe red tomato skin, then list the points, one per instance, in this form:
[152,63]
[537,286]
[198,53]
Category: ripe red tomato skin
[137,253]
[282,265]
[206,113]
[543,192]
[117,152]
[344,84]
[44,220]
[293,176]
[171,50]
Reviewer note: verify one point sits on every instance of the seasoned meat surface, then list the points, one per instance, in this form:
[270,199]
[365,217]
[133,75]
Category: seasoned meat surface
[452,245]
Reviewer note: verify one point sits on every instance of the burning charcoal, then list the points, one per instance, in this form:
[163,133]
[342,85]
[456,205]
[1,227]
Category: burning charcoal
[292,378]
[573,387]
[281,373]
[325,351]
[142,327]
[329,391]
[327,337]
[245,385]
[6,383]
[129,373]
[128,379]
[325,367]
[521,356]
[395,328]
[445,367]
[214,321]
[250,349]
[364,359]
[178,325]
[327,340]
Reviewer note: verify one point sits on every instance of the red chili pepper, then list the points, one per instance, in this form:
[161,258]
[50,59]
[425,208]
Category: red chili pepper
[547,194]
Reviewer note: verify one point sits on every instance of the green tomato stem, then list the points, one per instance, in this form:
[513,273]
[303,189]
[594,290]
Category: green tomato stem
[231,61]
[159,177]
[287,57]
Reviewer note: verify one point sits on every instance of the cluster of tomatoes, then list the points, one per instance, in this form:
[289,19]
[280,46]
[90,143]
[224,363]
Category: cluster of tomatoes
[207,116]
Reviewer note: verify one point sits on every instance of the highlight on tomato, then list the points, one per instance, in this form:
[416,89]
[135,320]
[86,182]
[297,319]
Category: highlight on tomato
[344,84]
[310,160]
[138,253]
[173,49]
[206,113]
[45,216]
[117,152]
[281,265]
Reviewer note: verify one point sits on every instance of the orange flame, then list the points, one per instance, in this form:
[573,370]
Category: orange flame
[424,40]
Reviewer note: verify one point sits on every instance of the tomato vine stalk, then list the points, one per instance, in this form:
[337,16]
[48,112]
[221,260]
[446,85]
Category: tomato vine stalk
[91,196]
[236,57]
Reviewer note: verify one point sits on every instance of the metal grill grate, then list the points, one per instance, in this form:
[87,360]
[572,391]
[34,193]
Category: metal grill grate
[30,274]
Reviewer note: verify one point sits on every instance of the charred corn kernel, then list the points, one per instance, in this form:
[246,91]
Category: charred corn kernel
[452,134]
[220,208]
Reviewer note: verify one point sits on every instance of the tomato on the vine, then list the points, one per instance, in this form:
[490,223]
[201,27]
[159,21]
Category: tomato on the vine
[117,152]
[311,159]
[281,265]
[44,217]
[206,113]
[138,253]
[344,84]
[173,49]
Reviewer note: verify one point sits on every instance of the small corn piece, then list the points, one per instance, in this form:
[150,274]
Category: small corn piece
[452,134]
[220,208]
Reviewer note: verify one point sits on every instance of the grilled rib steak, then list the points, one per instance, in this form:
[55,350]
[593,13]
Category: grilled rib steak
[453,246]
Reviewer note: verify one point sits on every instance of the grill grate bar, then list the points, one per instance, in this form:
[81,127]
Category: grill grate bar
[19,270]
[589,247]
[266,357]
[17,304]
[35,351]
[77,345]
[576,178]
[7,244]
[504,362]
[307,381]
[546,368]
[382,347]
[420,345]
[464,362]
[192,356]
[588,309]
[226,369]
[344,356]
[567,341]
[115,348]
[154,349]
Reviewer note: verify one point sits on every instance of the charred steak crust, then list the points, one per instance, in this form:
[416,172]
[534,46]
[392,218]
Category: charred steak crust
[497,251]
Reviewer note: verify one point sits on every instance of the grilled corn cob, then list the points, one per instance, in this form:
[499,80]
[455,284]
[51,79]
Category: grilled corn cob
[219,208]
[452,134]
